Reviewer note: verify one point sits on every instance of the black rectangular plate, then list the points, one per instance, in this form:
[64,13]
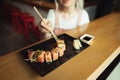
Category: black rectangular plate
[45,68]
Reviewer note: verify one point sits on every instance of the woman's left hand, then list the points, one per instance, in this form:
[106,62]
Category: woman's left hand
[58,31]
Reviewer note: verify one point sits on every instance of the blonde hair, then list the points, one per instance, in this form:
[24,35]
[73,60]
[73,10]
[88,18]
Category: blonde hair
[79,4]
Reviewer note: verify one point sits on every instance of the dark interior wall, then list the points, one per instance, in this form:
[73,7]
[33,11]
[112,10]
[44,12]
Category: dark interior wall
[116,5]
[104,7]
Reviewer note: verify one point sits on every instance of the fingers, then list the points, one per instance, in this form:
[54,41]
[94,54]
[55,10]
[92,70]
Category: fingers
[46,24]
[44,30]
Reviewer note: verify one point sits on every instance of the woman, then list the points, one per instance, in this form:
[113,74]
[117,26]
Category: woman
[68,15]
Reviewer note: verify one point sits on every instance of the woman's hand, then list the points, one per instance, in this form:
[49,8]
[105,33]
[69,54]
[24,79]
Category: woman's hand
[46,24]
[58,31]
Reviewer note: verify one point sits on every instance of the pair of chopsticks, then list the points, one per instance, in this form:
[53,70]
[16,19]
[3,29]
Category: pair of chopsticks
[36,10]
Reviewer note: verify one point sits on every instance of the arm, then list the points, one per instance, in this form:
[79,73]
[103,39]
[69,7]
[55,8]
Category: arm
[84,18]
[84,21]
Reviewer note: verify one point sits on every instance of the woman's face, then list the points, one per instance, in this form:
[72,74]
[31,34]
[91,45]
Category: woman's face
[67,3]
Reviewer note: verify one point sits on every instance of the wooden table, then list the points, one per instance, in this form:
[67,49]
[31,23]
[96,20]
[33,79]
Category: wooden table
[86,65]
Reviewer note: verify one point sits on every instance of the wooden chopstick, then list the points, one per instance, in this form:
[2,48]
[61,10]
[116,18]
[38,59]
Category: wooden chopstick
[39,14]
[56,38]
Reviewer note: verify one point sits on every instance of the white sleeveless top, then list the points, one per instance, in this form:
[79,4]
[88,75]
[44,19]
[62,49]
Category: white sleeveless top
[68,24]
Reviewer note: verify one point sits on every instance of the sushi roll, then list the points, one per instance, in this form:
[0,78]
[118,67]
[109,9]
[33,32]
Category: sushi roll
[60,51]
[32,56]
[54,53]
[61,44]
[41,54]
[48,56]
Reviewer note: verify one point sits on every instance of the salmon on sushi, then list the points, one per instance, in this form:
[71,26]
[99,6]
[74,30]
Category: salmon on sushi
[54,53]
[41,55]
[60,51]
[48,56]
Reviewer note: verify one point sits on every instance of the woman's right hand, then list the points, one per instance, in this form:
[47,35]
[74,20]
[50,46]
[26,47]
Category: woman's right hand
[46,24]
